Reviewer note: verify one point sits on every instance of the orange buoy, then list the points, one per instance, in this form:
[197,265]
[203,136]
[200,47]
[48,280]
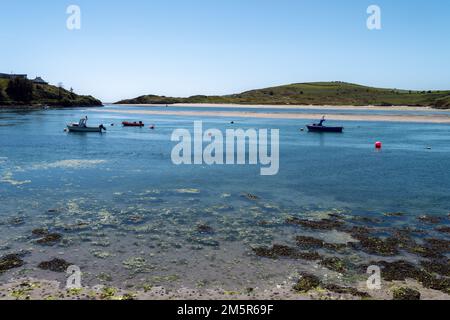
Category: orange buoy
[378,145]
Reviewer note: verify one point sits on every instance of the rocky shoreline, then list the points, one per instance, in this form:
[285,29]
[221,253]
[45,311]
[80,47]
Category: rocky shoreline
[306,288]
[402,279]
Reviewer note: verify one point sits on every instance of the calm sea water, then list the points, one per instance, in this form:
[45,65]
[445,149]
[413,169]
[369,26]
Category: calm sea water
[128,215]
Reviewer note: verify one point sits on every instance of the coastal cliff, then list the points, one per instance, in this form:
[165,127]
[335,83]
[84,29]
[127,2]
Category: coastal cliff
[24,93]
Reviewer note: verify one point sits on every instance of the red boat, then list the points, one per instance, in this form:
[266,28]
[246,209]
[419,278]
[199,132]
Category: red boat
[133,124]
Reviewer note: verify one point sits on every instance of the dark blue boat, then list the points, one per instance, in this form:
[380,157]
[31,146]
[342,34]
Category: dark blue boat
[319,127]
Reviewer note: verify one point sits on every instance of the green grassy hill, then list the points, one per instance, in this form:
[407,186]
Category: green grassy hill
[39,94]
[317,93]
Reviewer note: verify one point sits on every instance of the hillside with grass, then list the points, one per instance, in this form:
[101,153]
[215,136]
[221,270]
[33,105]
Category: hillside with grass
[317,93]
[24,93]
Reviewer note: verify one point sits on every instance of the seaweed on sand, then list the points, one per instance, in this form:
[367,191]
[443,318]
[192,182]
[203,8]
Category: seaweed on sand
[432,248]
[438,245]
[425,251]
[402,270]
[55,265]
[137,265]
[378,246]
[50,239]
[398,270]
[334,264]
[406,294]
[307,243]
[324,224]
[309,256]
[9,262]
[346,290]
[278,251]
[307,282]
[436,266]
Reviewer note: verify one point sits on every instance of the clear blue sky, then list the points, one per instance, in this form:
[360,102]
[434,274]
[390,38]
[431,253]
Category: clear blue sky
[185,47]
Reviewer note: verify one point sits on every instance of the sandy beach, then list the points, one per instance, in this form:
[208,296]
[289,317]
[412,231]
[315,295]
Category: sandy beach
[426,118]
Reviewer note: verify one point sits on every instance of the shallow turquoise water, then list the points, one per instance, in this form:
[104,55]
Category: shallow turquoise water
[117,198]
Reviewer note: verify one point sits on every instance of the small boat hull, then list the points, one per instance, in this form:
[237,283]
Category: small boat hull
[84,129]
[133,124]
[325,129]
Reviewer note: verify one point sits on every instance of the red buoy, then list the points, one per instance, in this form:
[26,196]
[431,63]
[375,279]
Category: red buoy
[378,145]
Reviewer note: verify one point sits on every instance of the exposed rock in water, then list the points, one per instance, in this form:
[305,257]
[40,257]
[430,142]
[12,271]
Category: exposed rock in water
[204,228]
[10,261]
[50,239]
[306,283]
[368,220]
[394,214]
[324,224]
[16,221]
[250,196]
[431,219]
[406,294]
[444,229]
[55,265]
[39,232]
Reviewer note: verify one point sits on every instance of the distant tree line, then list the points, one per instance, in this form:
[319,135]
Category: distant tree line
[20,90]
[3,96]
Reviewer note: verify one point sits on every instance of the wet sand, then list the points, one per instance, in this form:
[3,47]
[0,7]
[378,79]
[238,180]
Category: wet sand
[426,118]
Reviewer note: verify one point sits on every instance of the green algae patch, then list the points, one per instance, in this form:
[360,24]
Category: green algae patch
[307,282]
[406,294]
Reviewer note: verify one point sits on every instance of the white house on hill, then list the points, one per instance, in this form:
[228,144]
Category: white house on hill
[39,80]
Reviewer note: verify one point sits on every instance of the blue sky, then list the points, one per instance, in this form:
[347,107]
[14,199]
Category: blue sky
[185,47]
